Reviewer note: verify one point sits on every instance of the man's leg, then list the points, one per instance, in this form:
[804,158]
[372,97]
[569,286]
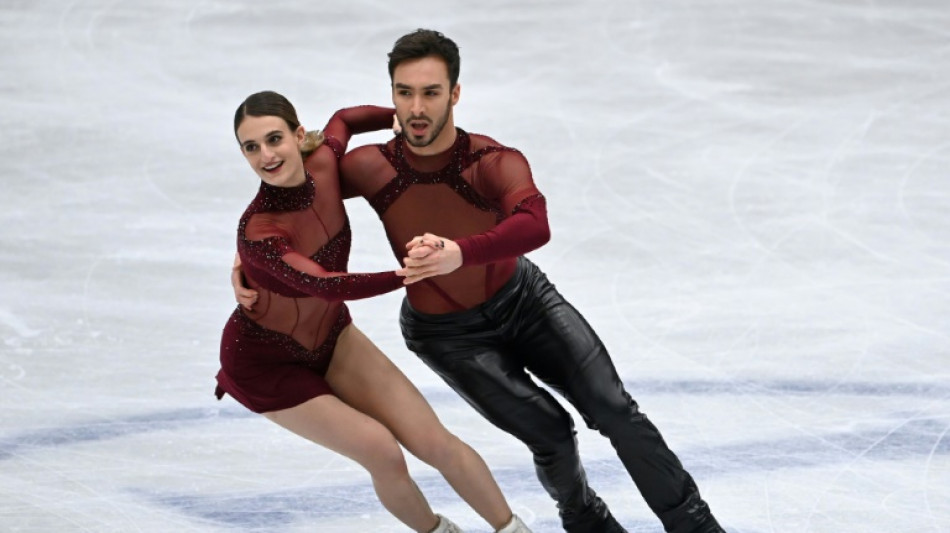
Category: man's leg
[496,385]
[564,352]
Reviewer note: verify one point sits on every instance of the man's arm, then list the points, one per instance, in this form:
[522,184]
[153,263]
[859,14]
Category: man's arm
[351,121]
[505,179]
[525,230]
[433,255]
[245,297]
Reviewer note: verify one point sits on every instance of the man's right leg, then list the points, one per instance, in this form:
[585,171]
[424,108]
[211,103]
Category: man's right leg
[497,386]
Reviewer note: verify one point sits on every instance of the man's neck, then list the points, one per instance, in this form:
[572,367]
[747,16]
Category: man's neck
[443,142]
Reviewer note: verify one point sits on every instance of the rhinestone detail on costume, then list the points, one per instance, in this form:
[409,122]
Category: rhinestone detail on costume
[450,174]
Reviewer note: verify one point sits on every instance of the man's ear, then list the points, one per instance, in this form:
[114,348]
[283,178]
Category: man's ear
[456,91]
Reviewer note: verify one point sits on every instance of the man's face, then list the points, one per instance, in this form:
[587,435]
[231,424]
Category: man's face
[424,102]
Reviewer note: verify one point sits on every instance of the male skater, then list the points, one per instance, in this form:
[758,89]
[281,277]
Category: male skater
[465,207]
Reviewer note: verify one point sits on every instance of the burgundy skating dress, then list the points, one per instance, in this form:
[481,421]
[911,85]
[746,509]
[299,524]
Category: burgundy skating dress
[294,244]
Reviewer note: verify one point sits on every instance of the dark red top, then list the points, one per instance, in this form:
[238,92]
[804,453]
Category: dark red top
[294,242]
[478,193]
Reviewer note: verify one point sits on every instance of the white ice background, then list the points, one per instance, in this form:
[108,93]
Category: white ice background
[750,201]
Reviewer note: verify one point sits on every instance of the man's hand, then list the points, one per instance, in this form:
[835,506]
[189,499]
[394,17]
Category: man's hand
[244,296]
[429,255]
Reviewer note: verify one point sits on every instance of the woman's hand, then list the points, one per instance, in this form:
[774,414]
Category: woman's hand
[429,255]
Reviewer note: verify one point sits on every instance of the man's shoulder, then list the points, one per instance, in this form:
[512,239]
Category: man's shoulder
[364,149]
[480,141]
[362,166]
[363,155]
[485,147]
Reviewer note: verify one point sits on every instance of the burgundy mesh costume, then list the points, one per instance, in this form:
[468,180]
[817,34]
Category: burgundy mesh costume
[483,327]
[294,243]
[479,194]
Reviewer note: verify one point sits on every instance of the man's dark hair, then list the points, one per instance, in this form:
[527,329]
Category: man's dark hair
[424,43]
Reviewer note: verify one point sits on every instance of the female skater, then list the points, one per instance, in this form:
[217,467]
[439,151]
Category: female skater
[296,357]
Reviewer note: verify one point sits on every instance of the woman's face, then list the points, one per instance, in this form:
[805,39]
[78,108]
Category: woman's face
[272,150]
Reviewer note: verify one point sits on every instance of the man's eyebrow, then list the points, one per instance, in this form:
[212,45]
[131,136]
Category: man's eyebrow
[405,86]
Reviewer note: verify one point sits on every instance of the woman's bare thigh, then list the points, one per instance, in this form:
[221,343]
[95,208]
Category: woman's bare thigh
[366,379]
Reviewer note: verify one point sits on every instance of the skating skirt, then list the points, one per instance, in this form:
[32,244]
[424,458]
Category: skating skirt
[268,371]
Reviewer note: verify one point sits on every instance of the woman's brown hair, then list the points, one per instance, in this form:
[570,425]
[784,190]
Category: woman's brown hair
[271,104]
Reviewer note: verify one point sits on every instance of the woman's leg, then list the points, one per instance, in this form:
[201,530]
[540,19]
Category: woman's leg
[329,422]
[366,379]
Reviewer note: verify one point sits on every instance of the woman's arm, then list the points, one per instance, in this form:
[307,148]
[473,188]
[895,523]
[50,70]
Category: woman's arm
[274,265]
[355,120]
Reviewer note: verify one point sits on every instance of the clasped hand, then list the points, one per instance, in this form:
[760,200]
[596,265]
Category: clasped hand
[429,255]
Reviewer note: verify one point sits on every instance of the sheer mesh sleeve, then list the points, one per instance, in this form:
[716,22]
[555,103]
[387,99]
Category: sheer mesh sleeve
[355,120]
[505,179]
[274,264]
[525,230]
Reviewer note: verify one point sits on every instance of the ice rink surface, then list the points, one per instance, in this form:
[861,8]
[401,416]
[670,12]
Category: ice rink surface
[749,200]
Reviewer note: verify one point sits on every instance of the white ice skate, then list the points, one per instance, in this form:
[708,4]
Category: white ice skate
[514,526]
[446,526]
